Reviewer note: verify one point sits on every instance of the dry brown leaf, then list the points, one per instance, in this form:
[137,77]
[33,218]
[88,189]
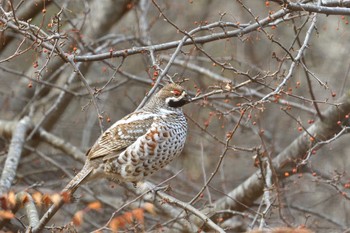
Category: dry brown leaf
[114,224]
[37,197]
[3,202]
[78,218]
[11,198]
[66,197]
[46,199]
[25,199]
[55,198]
[139,215]
[96,205]
[128,217]
[149,207]
[6,214]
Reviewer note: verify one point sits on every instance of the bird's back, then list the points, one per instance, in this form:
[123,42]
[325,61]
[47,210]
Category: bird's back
[153,150]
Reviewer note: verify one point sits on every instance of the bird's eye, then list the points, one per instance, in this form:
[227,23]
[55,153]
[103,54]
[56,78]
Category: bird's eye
[176,92]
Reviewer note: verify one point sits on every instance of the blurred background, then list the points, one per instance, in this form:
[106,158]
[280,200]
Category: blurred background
[37,82]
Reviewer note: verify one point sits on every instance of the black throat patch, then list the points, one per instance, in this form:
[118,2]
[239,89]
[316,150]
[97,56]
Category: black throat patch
[177,104]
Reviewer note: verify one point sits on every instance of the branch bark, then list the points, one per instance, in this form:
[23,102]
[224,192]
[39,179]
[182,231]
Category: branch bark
[243,196]
[107,15]
[28,10]
[318,9]
[14,155]
[25,199]
[7,129]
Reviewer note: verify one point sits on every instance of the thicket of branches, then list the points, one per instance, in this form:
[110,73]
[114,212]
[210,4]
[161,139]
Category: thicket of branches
[267,144]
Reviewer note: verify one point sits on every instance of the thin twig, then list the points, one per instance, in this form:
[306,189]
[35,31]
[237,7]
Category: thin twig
[187,206]
[55,104]
[221,158]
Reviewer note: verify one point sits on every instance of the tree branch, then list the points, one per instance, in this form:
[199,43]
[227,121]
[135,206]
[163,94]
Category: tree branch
[14,155]
[318,9]
[7,128]
[251,189]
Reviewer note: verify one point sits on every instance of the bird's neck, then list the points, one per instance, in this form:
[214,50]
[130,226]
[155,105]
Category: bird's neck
[161,109]
[166,111]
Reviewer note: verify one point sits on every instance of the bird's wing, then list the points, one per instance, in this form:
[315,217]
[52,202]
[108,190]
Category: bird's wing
[121,134]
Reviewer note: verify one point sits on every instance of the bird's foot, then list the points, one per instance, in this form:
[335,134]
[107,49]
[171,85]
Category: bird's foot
[163,188]
[152,189]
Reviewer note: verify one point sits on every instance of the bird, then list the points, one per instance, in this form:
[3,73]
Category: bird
[139,144]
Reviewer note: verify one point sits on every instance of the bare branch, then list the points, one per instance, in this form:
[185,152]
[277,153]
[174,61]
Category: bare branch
[197,40]
[190,208]
[14,155]
[246,193]
[318,9]
[7,128]
[295,60]
[25,199]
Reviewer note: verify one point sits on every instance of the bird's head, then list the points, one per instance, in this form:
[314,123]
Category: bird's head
[174,95]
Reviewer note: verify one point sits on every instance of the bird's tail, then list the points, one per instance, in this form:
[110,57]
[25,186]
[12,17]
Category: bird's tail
[79,178]
[70,188]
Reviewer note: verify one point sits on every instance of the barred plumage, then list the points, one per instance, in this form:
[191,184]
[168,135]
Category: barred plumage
[141,143]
